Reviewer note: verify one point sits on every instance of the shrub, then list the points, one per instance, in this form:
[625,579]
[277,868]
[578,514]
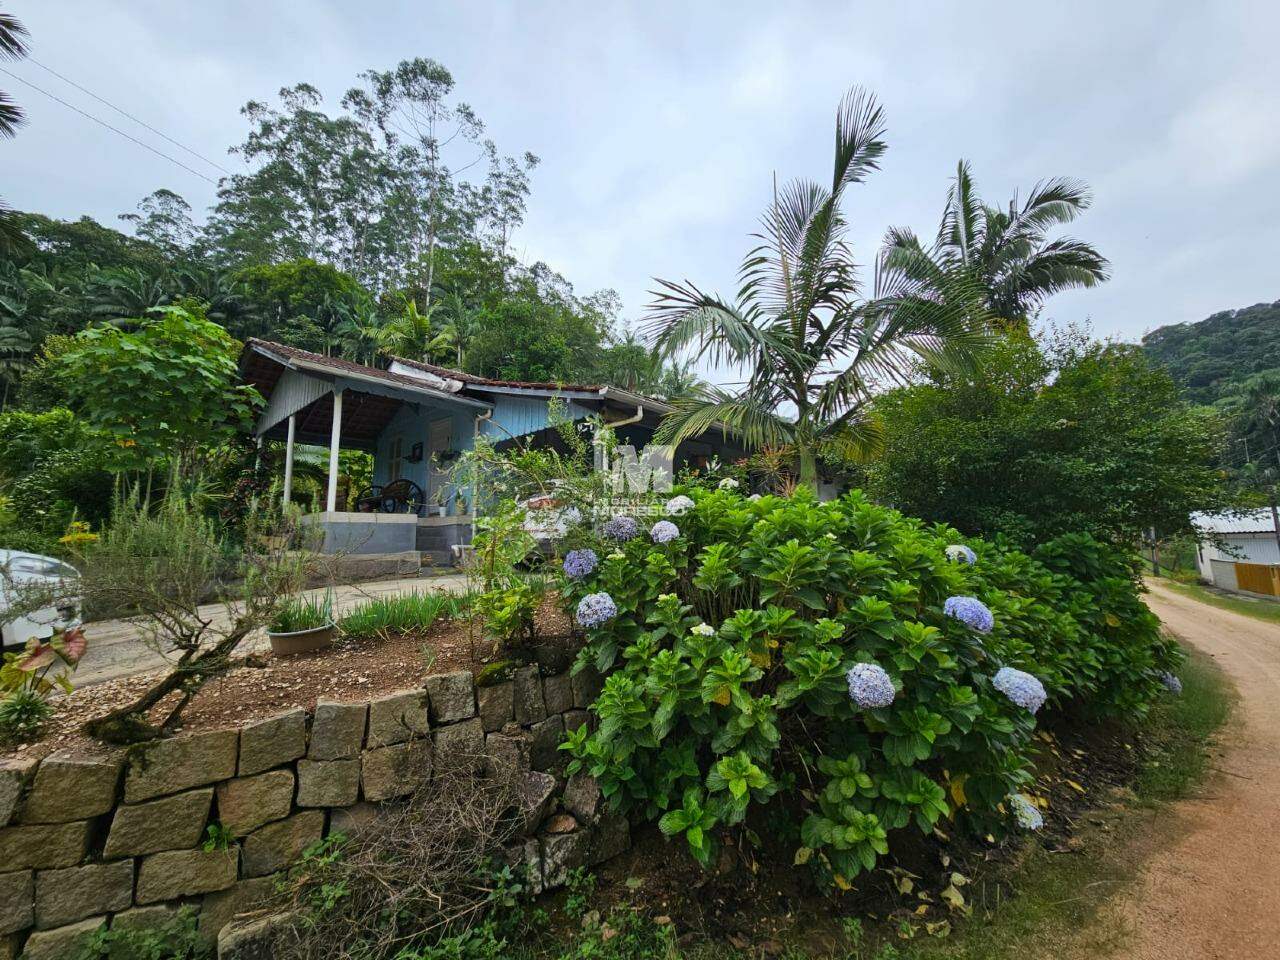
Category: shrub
[831,659]
[177,938]
[303,613]
[402,613]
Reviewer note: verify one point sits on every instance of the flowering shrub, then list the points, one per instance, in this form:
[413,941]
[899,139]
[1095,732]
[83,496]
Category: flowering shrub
[596,609]
[620,528]
[1020,687]
[970,611]
[664,531]
[580,563]
[961,554]
[831,660]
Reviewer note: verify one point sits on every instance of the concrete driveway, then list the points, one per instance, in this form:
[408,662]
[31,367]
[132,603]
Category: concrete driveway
[117,648]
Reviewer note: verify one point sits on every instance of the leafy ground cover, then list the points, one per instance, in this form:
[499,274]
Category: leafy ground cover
[1021,897]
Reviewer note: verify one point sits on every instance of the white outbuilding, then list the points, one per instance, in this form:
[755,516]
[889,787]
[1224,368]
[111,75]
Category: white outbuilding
[1238,551]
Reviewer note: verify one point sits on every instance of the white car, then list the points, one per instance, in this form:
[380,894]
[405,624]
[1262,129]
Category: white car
[19,569]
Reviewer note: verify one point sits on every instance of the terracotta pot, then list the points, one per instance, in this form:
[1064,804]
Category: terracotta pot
[302,641]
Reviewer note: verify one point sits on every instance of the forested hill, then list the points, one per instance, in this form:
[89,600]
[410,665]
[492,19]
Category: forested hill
[1212,359]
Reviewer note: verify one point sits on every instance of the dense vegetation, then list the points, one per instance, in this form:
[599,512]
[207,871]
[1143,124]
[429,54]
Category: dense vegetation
[349,233]
[1212,360]
[841,669]
[1051,438]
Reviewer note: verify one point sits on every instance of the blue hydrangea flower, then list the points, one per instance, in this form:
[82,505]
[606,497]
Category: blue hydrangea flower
[970,611]
[678,505]
[1020,687]
[664,531]
[1171,683]
[580,563]
[621,528]
[869,686]
[1025,812]
[596,609]
[959,552]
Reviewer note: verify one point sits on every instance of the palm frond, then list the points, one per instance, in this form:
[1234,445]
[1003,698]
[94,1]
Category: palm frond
[860,128]
[751,418]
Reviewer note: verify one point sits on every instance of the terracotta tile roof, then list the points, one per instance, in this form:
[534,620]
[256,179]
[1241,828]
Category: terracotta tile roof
[337,364]
[470,378]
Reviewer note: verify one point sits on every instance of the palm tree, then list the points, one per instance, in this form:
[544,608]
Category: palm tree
[13,46]
[1006,252]
[815,345]
[414,334]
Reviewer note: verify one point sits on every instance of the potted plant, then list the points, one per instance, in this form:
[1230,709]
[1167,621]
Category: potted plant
[302,625]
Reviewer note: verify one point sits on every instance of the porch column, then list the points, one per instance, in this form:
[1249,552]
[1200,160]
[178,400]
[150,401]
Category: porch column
[288,460]
[331,504]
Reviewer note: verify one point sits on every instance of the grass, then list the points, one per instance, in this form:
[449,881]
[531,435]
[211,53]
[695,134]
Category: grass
[303,613]
[401,613]
[1059,896]
[1265,610]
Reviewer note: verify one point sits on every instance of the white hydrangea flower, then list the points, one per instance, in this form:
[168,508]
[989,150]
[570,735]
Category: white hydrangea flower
[1025,812]
[704,630]
[678,506]
[728,483]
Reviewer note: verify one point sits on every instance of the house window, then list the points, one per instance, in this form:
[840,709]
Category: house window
[395,458]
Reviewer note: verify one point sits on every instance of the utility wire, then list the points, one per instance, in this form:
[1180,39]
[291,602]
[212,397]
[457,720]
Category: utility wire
[72,106]
[125,113]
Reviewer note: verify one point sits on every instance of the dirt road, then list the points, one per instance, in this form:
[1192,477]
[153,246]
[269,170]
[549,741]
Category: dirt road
[1214,893]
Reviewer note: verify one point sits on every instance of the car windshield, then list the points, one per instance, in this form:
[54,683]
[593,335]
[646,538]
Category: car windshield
[41,566]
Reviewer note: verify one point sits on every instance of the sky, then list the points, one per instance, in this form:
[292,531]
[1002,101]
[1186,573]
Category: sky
[660,126]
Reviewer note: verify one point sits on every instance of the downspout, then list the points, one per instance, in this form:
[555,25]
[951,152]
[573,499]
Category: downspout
[475,502]
[602,454]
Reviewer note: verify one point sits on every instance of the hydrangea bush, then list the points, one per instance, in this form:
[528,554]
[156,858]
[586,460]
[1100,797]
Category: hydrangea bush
[832,661]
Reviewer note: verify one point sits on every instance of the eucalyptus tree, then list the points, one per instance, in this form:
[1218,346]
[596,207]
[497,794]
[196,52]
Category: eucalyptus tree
[164,218]
[1006,251]
[814,343]
[315,188]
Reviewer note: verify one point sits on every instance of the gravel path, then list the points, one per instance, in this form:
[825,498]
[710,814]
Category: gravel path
[116,648]
[1214,892]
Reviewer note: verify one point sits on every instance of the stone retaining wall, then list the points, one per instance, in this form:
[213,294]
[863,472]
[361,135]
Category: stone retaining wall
[115,837]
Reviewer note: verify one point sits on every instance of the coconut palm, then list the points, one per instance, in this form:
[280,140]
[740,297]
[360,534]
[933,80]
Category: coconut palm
[1005,251]
[815,345]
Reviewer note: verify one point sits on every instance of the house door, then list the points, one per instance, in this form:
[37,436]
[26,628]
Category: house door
[439,442]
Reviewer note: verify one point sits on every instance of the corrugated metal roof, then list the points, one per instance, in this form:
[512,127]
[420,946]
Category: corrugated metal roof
[1244,521]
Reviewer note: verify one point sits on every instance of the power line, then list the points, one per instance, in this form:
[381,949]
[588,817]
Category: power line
[125,113]
[145,146]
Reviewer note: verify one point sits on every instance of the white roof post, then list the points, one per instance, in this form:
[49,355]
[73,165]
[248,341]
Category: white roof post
[335,437]
[288,460]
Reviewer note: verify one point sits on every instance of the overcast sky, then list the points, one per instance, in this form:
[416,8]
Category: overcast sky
[660,125]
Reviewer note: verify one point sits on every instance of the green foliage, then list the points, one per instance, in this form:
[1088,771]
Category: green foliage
[28,678]
[54,469]
[709,716]
[177,938]
[303,613]
[403,613]
[802,314]
[1075,436]
[216,837]
[168,387]
[24,714]
[1211,360]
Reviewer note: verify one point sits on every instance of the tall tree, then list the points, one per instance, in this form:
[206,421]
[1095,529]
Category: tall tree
[814,344]
[163,218]
[1006,252]
[412,108]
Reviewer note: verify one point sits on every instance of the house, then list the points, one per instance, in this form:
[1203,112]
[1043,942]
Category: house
[1239,551]
[415,419]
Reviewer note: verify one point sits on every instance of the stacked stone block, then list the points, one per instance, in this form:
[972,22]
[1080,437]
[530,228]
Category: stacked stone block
[121,837]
